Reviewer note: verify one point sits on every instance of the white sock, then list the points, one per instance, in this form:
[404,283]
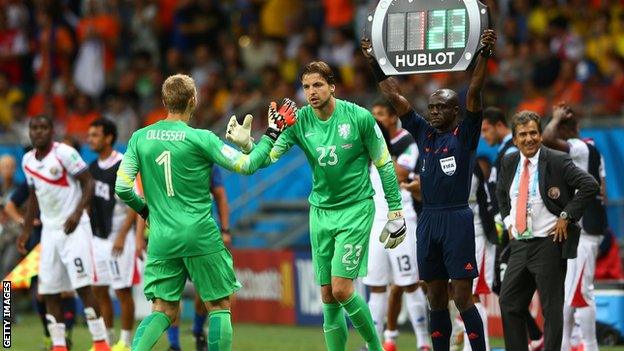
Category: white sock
[126,337]
[96,325]
[378,305]
[458,326]
[57,333]
[568,325]
[110,336]
[484,318]
[587,321]
[416,303]
[391,335]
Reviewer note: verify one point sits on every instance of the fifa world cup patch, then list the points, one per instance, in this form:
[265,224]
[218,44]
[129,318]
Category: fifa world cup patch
[448,165]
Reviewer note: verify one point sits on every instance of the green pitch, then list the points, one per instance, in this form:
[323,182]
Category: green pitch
[27,336]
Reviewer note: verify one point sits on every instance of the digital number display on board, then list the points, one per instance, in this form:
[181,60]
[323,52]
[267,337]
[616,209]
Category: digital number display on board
[420,36]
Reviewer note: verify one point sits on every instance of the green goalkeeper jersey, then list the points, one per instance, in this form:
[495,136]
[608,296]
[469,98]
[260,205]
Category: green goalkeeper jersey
[175,162]
[339,151]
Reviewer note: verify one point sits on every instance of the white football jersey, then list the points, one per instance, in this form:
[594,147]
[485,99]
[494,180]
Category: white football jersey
[579,152]
[54,180]
[406,159]
[474,206]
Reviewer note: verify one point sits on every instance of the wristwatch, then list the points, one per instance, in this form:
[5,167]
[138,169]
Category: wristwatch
[564,215]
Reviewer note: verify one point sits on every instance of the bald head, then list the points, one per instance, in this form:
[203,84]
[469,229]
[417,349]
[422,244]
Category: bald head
[447,95]
[7,166]
[443,109]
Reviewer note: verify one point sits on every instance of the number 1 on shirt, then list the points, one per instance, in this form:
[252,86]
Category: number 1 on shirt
[165,159]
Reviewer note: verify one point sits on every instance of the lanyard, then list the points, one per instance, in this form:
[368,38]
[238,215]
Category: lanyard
[533,192]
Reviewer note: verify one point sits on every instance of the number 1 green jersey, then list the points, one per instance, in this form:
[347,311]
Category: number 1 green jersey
[339,151]
[175,162]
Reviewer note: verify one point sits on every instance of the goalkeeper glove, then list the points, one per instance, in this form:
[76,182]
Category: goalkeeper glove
[240,134]
[394,232]
[279,120]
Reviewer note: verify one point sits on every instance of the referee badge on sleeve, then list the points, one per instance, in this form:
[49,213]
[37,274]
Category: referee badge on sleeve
[448,165]
[554,193]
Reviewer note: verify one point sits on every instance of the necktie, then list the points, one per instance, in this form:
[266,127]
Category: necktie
[523,197]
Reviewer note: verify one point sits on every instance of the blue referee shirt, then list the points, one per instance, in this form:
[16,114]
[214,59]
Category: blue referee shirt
[447,159]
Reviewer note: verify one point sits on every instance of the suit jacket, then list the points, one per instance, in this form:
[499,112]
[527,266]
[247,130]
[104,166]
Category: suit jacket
[559,180]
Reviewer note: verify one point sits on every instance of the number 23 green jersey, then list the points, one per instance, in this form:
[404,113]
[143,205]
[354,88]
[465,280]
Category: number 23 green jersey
[339,151]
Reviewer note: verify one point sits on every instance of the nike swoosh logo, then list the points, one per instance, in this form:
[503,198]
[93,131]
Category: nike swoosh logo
[309,134]
[352,268]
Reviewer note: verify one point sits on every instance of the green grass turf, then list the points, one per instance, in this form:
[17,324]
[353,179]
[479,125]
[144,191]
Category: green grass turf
[27,336]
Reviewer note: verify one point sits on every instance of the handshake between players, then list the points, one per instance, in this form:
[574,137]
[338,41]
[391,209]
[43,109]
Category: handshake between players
[395,230]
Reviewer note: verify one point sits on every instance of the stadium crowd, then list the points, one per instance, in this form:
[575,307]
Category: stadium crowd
[79,60]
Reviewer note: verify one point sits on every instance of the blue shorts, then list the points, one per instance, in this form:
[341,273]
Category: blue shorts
[446,244]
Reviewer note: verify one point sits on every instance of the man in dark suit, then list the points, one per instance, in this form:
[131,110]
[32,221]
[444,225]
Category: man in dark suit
[541,194]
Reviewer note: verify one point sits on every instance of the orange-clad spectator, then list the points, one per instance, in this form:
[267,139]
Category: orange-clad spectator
[156,114]
[54,47]
[44,101]
[13,46]
[166,11]
[8,97]
[566,87]
[533,100]
[338,13]
[98,24]
[81,117]
[614,103]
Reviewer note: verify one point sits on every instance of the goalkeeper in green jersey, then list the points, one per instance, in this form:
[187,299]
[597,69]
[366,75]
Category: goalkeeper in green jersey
[339,139]
[175,162]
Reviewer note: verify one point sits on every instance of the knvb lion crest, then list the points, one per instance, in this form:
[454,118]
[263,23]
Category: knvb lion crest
[344,130]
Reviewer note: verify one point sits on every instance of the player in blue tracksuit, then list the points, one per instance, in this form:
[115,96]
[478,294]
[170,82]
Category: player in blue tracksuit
[445,234]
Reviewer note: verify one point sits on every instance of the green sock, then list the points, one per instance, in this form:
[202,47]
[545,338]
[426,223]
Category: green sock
[360,315]
[220,331]
[334,327]
[149,331]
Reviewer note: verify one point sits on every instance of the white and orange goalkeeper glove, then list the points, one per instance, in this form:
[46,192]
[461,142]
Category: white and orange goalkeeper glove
[240,134]
[394,232]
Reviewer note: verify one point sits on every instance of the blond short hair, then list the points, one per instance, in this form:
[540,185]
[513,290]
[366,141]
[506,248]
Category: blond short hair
[177,91]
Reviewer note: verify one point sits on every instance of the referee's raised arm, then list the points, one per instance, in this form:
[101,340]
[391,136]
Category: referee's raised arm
[473,96]
[389,86]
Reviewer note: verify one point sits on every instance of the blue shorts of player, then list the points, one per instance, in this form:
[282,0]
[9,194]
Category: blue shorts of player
[446,243]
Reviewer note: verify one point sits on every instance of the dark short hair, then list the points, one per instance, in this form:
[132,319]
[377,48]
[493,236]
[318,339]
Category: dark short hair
[322,69]
[570,123]
[524,117]
[385,103]
[46,118]
[494,115]
[108,127]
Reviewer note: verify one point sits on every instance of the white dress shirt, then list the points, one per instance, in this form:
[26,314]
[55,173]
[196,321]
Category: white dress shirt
[542,220]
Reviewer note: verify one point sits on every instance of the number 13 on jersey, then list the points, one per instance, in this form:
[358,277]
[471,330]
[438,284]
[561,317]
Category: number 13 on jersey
[165,160]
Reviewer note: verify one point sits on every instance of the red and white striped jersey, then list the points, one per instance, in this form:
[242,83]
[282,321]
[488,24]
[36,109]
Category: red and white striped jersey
[54,181]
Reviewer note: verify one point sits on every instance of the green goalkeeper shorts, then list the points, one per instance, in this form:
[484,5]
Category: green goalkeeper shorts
[339,240]
[212,274]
